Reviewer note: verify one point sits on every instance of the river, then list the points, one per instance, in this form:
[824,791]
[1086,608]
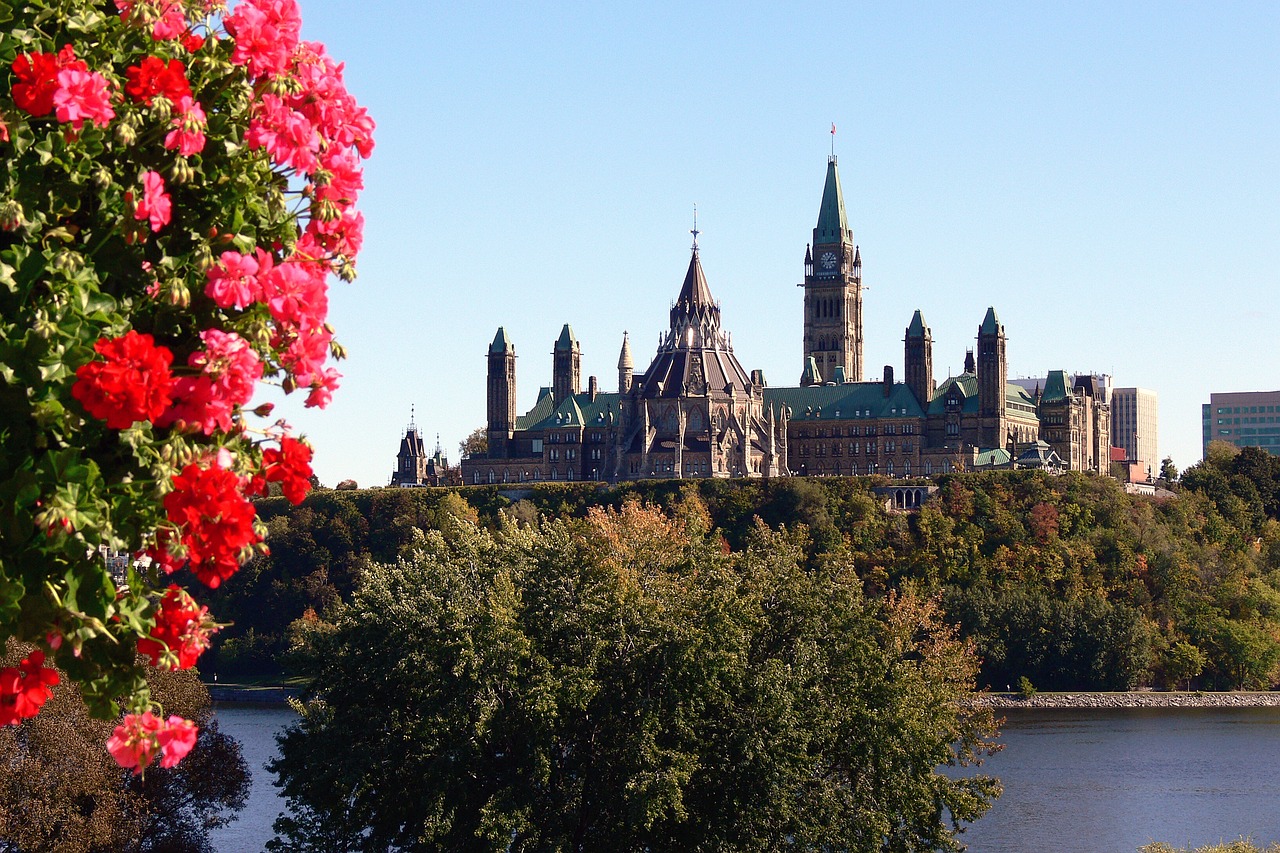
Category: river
[1096,781]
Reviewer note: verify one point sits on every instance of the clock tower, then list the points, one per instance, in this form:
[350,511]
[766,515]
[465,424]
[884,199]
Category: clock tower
[833,290]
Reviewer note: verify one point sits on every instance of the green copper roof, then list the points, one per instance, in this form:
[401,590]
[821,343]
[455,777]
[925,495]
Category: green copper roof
[811,375]
[849,401]
[990,323]
[991,458]
[833,225]
[1055,387]
[501,343]
[576,410]
[917,328]
[566,341]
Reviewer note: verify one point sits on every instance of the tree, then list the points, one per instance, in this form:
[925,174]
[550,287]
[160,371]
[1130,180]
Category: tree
[59,789]
[622,683]
[179,182]
[1168,471]
[475,444]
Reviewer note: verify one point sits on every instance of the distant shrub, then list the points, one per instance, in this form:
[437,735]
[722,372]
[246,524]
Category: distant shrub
[1025,688]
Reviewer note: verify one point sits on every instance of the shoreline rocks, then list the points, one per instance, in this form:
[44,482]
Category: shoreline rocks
[1141,699]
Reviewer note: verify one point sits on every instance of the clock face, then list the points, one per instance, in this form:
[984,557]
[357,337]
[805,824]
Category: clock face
[829,260]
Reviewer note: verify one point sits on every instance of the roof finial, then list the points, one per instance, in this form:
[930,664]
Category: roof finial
[412,426]
[833,140]
[695,232]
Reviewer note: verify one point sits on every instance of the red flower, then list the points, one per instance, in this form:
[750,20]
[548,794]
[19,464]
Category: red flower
[24,688]
[37,75]
[156,77]
[132,384]
[181,632]
[290,466]
[215,522]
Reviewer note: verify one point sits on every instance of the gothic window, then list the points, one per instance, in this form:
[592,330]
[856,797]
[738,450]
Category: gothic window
[853,447]
[889,469]
[928,469]
[906,469]
[889,446]
[835,449]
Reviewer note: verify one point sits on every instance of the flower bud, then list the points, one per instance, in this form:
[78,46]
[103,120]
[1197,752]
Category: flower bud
[10,215]
[181,171]
[102,178]
[264,410]
[126,135]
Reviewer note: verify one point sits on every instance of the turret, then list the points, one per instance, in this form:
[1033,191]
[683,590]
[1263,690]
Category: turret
[566,369]
[993,375]
[918,363]
[501,420]
[626,367]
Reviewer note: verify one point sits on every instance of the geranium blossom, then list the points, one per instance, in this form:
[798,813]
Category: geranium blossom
[266,32]
[187,135]
[166,16]
[155,207]
[141,737]
[24,688]
[132,383]
[229,369]
[233,281]
[82,95]
[290,466]
[153,76]
[176,738]
[37,75]
[214,523]
[181,632]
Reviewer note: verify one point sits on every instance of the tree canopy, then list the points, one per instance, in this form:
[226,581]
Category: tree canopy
[623,681]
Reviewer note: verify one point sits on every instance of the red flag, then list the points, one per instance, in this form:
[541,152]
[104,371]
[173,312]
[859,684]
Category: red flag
[833,128]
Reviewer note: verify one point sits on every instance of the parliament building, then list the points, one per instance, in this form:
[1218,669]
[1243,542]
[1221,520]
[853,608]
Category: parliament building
[696,412]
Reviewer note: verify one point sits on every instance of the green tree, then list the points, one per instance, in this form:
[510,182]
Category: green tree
[475,444]
[1168,471]
[620,682]
[61,790]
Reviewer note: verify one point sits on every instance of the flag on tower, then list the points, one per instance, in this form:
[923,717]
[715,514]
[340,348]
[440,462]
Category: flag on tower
[833,128]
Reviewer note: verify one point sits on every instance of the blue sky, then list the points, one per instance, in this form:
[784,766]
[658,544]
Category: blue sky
[1107,176]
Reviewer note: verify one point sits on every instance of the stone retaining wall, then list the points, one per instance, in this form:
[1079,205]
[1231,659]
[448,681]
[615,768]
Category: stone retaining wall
[1235,699]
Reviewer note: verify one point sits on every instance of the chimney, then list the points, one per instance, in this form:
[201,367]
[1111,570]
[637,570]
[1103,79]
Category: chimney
[593,388]
[888,379]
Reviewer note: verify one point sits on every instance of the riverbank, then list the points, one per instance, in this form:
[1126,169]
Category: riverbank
[1140,699]
[253,694]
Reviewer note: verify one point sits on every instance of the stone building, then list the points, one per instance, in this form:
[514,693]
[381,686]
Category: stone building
[695,411]
[414,467]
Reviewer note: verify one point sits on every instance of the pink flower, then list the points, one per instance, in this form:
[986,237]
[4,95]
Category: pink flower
[187,135]
[229,370]
[140,737]
[296,294]
[176,739]
[233,283]
[265,32]
[154,207]
[168,20]
[322,390]
[133,744]
[82,95]
[285,133]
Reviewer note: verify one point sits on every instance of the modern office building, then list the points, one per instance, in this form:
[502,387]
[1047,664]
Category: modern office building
[1242,418]
[1134,420]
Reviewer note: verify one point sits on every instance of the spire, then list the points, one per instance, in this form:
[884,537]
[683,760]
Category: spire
[695,297]
[990,324]
[624,358]
[833,225]
[566,341]
[501,343]
[412,427]
[917,328]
